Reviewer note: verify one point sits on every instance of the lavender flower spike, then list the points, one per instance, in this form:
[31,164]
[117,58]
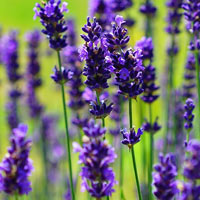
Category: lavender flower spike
[16,166]
[164,178]
[52,18]
[189,116]
[96,156]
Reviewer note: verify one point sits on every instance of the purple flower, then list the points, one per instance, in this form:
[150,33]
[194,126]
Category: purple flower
[52,18]
[94,130]
[97,68]
[17,166]
[102,110]
[190,77]
[188,115]
[130,138]
[151,128]
[32,75]
[96,156]
[164,178]
[118,5]
[148,9]
[71,32]
[146,45]
[62,76]
[192,161]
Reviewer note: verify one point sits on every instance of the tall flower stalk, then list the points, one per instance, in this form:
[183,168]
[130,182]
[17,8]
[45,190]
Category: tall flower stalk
[149,96]
[52,18]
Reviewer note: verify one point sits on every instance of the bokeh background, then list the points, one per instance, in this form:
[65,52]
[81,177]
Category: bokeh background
[18,14]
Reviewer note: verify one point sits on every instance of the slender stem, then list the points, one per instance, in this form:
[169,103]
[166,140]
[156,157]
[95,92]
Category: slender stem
[16,196]
[66,131]
[132,151]
[107,198]
[151,156]
[198,84]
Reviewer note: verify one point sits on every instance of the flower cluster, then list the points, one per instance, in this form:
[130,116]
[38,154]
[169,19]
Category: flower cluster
[190,190]
[16,166]
[94,52]
[151,128]
[189,76]
[101,110]
[10,60]
[164,178]
[96,156]
[71,32]
[32,75]
[148,9]
[52,18]
[131,137]
[188,115]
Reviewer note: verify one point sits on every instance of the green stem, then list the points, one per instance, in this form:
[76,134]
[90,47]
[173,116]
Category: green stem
[132,151]
[66,131]
[151,156]
[16,196]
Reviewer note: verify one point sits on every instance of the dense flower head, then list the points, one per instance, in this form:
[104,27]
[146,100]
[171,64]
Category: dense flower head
[148,9]
[94,52]
[192,162]
[52,18]
[147,47]
[151,128]
[190,77]
[10,57]
[131,137]
[62,76]
[16,166]
[174,16]
[117,39]
[94,130]
[129,72]
[96,156]
[164,178]
[149,85]
[192,13]
[101,110]
[188,115]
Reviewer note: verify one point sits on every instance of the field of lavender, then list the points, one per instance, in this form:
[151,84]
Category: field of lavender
[100,100]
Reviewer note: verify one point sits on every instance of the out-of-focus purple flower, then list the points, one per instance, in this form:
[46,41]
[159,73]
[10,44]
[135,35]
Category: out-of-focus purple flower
[63,76]
[94,130]
[97,68]
[96,156]
[71,32]
[100,111]
[148,9]
[71,60]
[10,57]
[80,122]
[188,115]
[52,18]
[147,47]
[174,16]
[16,166]
[131,137]
[164,178]
[155,127]
[118,5]
[149,85]
[32,75]
[190,77]
[188,191]
[192,161]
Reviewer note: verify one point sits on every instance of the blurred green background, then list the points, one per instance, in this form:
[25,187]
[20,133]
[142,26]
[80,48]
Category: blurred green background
[18,14]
